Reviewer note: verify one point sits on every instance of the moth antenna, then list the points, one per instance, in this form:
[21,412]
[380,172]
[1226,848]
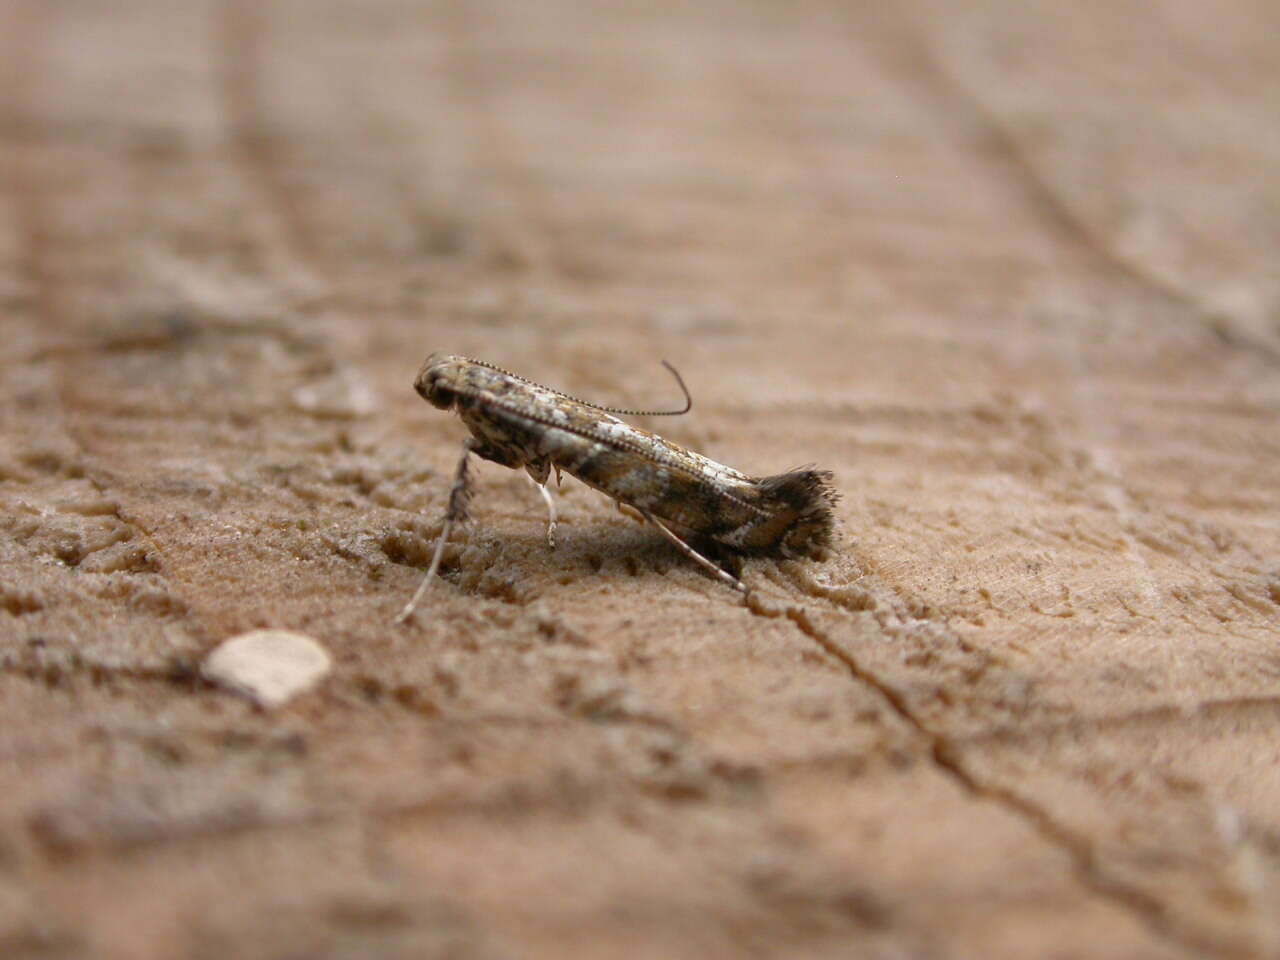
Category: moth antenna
[688,398]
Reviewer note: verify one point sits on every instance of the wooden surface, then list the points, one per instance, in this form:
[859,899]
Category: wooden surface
[1009,269]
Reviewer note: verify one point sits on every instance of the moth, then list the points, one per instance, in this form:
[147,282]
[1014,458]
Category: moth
[688,497]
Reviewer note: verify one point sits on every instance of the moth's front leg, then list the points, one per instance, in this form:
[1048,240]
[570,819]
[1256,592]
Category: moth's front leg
[457,512]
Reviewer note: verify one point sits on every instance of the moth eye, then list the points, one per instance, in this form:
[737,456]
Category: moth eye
[433,391]
[440,396]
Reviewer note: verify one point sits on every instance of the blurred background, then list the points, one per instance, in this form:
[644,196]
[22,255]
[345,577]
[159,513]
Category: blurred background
[1009,269]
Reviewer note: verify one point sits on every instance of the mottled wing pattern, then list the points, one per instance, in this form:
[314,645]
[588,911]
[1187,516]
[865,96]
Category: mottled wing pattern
[520,424]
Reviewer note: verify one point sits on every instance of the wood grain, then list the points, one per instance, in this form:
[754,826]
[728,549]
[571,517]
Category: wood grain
[1007,269]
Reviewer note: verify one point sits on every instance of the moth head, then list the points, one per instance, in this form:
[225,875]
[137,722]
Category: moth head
[434,379]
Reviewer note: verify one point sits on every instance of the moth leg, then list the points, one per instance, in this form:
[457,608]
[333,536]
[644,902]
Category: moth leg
[629,511]
[459,499]
[694,555]
[551,512]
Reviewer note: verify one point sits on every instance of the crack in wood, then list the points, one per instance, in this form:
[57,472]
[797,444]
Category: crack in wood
[915,63]
[946,756]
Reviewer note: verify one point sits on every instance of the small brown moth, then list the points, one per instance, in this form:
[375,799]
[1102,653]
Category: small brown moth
[518,423]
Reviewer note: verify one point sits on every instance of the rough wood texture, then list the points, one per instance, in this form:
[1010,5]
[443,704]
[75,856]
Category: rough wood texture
[1009,269]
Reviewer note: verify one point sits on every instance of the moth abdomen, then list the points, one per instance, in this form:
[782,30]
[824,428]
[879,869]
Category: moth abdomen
[797,515]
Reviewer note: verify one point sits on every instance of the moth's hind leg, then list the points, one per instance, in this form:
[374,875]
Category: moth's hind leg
[724,557]
[459,502]
[696,557]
